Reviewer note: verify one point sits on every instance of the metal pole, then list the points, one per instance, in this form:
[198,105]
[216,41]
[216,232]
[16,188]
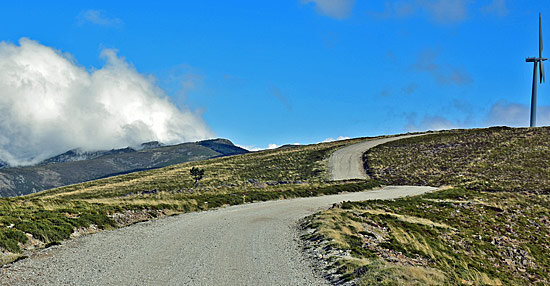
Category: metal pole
[534,98]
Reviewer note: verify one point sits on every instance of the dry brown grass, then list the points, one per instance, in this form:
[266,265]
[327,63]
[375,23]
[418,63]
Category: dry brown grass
[407,218]
[383,273]
[6,258]
[473,237]
[496,159]
[306,164]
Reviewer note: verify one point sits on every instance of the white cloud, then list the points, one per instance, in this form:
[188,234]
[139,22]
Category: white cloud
[338,9]
[446,11]
[250,148]
[98,18]
[269,147]
[497,7]
[278,94]
[49,104]
[429,123]
[440,11]
[443,73]
[183,78]
[272,146]
[330,139]
[516,114]
[253,148]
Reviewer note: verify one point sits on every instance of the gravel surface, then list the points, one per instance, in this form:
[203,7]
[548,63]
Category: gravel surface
[347,163]
[253,244]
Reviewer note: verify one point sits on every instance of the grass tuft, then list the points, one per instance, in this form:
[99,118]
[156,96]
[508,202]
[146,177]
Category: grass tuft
[490,228]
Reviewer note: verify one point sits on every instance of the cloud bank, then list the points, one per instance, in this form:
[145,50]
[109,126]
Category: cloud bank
[428,123]
[501,113]
[330,139]
[49,104]
[516,114]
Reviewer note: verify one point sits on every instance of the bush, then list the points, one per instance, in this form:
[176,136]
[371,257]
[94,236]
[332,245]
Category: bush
[9,239]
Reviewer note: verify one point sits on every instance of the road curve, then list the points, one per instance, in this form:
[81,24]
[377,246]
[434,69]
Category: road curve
[253,244]
[347,163]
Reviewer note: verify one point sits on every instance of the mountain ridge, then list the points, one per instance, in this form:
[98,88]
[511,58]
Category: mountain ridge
[75,166]
[81,155]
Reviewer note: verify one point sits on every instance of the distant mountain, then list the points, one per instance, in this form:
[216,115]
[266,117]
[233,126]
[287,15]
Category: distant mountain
[288,146]
[156,144]
[222,146]
[3,164]
[77,166]
[80,155]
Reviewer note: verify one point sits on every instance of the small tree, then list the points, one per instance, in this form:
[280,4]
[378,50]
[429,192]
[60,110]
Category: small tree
[197,174]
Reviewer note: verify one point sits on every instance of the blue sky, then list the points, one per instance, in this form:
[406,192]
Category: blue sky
[277,72]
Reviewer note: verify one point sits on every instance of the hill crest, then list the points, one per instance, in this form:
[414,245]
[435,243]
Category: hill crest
[76,166]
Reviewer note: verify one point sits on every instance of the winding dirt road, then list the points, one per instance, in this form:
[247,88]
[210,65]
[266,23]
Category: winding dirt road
[253,244]
[347,163]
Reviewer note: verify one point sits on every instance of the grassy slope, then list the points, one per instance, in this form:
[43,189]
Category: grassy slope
[510,159]
[25,180]
[53,215]
[492,229]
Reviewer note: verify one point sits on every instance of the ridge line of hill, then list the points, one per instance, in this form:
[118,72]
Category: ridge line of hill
[70,169]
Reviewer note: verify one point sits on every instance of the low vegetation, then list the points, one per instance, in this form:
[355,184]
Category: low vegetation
[493,159]
[48,217]
[452,237]
[26,180]
[270,170]
[490,227]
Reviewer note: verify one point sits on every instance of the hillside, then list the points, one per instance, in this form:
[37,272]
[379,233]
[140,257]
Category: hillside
[489,226]
[75,166]
[498,158]
[80,155]
[47,217]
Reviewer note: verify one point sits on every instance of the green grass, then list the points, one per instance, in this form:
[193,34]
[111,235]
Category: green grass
[498,159]
[25,180]
[51,216]
[491,228]
[473,236]
[48,221]
[302,164]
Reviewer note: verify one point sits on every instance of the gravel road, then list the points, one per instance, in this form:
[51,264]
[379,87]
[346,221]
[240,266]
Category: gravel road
[252,244]
[347,163]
